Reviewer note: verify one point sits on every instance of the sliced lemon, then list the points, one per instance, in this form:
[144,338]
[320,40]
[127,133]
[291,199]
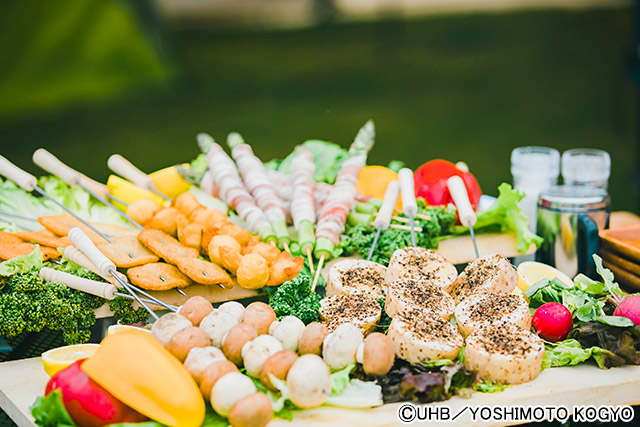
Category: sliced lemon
[114,329]
[530,272]
[59,358]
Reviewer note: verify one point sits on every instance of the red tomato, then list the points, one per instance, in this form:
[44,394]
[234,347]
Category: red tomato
[88,404]
[431,183]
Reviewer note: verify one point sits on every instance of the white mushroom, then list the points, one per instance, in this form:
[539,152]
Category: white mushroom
[165,327]
[308,381]
[228,390]
[234,308]
[257,351]
[199,359]
[216,325]
[339,347]
[287,331]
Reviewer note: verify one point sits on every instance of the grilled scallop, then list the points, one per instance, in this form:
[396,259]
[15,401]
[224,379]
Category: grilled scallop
[491,273]
[504,353]
[420,334]
[484,309]
[357,276]
[422,264]
[404,294]
[358,309]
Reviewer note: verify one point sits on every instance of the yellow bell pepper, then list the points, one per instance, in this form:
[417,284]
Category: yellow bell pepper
[134,367]
[373,181]
[129,192]
[169,181]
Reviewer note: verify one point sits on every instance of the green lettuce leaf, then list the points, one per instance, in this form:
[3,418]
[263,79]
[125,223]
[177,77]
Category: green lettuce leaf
[22,264]
[564,353]
[486,386]
[340,379]
[357,394]
[327,156]
[50,411]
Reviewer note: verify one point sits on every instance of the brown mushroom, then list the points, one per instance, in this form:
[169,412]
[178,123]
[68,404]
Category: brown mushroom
[195,309]
[312,338]
[277,365]
[251,411]
[378,354]
[260,316]
[184,340]
[235,339]
[213,373]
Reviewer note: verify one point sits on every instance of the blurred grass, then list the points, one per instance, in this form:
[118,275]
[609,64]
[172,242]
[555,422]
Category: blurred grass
[459,87]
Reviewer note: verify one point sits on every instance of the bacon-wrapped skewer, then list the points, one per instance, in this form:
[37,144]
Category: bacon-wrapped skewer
[302,205]
[231,189]
[332,219]
[255,179]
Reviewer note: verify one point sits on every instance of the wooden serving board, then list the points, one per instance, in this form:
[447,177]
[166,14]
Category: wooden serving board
[23,380]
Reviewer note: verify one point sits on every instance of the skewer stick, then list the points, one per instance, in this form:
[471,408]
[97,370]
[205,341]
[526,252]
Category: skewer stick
[404,227]
[383,218]
[310,258]
[286,246]
[317,274]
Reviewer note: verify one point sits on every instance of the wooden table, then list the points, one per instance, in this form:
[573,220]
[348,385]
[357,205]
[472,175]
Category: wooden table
[23,380]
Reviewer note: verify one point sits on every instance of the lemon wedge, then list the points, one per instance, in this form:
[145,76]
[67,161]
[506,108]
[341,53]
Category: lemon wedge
[59,358]
[530,272]
[114,329]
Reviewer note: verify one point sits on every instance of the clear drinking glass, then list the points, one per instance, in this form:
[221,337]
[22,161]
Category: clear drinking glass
[586,166]
[534,169]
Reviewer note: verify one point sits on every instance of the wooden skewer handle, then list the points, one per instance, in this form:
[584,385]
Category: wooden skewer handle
[460,197]
[408,192]
[101,289]
[73,254]
[124,168]
[85,245]
[383,218]
[25,180]
[54,166]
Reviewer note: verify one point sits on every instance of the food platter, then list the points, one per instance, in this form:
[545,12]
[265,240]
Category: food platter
[23,380]
[422,302]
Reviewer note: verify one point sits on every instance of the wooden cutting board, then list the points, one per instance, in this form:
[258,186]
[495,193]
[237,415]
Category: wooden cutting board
[23,380]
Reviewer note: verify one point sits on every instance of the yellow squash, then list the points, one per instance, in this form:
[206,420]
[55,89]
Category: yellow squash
[169,181]
[134,367]
[129,192]
[373,181]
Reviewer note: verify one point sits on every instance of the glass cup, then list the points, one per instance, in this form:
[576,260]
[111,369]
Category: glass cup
[586,166]
[534,169]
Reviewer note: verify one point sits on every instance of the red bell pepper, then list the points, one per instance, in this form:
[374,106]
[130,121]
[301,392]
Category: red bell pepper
[431,183]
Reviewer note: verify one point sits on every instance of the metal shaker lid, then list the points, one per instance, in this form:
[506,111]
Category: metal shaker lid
[573,198]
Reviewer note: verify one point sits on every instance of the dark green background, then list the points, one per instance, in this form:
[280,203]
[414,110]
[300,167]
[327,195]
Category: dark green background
[459,87]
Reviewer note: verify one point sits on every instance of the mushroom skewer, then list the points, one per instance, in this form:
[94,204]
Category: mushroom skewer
[383,218]
[409,205]
[28,182]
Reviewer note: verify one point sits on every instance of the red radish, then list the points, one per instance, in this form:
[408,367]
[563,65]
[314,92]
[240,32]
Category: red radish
[88,404]
[553,321]
[629,308]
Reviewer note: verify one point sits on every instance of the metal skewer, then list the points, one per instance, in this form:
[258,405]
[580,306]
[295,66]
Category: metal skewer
[54,166]
[101,289]
[12,215]
[107,267]
[16,224]
[124,168]
[460,197]
[383,218]
[409,205]
[28,182]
